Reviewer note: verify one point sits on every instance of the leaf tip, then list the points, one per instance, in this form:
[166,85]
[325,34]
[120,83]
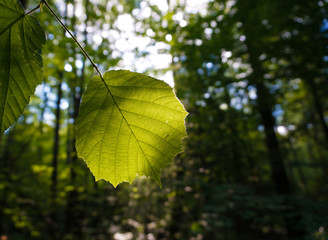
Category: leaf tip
[157,178]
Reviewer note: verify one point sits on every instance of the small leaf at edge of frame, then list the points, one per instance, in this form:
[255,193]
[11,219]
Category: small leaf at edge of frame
[21,40]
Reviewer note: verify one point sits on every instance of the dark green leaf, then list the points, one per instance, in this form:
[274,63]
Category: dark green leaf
[21,39]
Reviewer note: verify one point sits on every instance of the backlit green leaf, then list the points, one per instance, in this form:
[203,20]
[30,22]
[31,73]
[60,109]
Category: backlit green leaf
[132,126]
[21,39]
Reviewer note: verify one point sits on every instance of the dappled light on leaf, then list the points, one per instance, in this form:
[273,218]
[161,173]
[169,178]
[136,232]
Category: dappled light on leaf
[130,126]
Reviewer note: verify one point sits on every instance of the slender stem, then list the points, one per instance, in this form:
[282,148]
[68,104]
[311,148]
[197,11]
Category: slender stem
[33,10]
[74,38]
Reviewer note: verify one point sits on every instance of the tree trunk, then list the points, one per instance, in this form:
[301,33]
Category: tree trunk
[5,167]
[279,175]
[56,140]
[297,162]
[252,31]
[54,180]
[319,109]
[73,214]
[265,105]
[41,121]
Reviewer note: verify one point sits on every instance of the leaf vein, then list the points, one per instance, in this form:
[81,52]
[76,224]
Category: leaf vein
[144,101]
[155,119]
[156,136]
[169,157]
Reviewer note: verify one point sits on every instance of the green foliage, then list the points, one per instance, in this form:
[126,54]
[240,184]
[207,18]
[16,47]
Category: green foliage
[21,39]
[129,125]
[221,186]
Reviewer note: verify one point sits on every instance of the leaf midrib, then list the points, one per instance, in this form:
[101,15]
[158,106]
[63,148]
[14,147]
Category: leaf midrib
[119,109]
[161,105]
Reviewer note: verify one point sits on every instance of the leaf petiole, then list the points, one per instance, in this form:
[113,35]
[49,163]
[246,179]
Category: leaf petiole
[32,11]
[73,37]
[41,6]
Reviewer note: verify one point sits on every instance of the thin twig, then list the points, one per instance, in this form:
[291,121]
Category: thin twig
[33,10]
[74,38]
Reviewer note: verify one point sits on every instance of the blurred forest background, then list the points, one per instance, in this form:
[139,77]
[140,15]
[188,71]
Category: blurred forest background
[253,75]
